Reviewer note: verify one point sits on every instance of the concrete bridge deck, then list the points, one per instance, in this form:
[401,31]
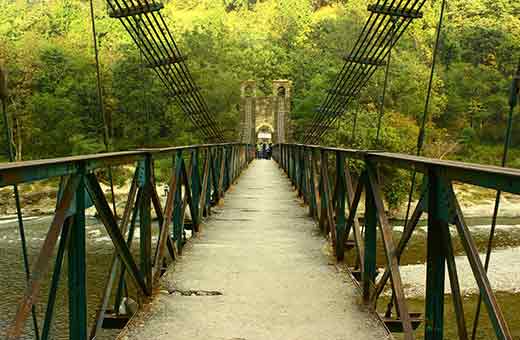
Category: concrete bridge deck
[275,274]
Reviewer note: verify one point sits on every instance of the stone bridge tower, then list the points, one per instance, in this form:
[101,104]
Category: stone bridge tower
[247,112]
[282,109]
[265,119]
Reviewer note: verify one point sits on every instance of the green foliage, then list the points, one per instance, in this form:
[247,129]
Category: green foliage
[468,137]
[396,187]
[47,49]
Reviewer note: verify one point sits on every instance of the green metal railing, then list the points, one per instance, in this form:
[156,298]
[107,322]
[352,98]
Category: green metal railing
[200,175]
[328,190]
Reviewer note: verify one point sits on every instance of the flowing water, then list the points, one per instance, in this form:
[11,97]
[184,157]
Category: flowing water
[12,277]
[504,273]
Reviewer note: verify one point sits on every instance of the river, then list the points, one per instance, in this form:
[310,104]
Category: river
[504,273]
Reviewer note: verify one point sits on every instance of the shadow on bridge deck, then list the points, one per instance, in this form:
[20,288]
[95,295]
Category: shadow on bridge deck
[272,271]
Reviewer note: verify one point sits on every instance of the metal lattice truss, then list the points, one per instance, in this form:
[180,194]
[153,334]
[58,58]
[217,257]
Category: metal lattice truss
[146,25]
[386,24]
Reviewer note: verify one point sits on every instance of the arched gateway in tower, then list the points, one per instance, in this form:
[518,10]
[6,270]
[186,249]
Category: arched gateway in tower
[265,119]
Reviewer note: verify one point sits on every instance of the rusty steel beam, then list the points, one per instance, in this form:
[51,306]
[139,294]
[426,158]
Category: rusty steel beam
[443,210]
[495,313]
[72,203]
[356,227]
[100,314]
[167,221]
[389,247]
[106,216]
[41,265]
[409,228]
[30,171]
[487,176]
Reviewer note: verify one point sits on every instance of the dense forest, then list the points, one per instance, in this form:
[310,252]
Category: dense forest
[47,49]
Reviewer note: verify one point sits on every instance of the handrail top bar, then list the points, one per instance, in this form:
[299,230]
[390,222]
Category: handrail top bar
[172,149]
[354,153]
[105,155]
[384,156]
[488,176]
[29,171]
[426,162]
[70,159]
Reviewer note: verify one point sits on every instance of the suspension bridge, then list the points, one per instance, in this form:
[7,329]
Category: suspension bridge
[241,248]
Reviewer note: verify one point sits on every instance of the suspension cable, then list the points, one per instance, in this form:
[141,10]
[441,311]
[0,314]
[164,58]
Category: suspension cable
[347,68]
[382,105]
[154,58]
[363,60]
[422,131]
[159,48]
[513,101]
[170,77]
[361,73]
[21,228]
[340,79]
[106,134]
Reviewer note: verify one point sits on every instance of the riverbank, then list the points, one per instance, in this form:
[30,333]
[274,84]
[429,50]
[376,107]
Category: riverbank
[39,199]
[475,202]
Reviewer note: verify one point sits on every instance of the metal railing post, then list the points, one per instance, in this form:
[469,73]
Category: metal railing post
[145,220]
[340,205]
[369,273]
[77,265]
[301,166]
[177,209]
[293,164]
[195,188]
[438,197]
[312,187]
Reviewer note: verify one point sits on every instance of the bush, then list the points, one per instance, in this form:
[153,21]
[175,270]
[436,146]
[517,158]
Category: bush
[468,137]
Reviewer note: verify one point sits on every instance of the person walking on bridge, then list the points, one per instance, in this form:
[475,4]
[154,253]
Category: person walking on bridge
[258,151]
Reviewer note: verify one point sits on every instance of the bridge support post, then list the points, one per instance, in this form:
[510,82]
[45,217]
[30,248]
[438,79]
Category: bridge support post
[438,212]
[340,205]
[294,164]
[221,172]
[215,174]
[206,186]
[302,188]
[233,164]
[77,265]
[229,170]
[236,162]
[145,224]
[306,178]
[312,187]
[195,189]
[290,163]
[178,221]
[298,166]
[284,156]
[369,273]
[323,198]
